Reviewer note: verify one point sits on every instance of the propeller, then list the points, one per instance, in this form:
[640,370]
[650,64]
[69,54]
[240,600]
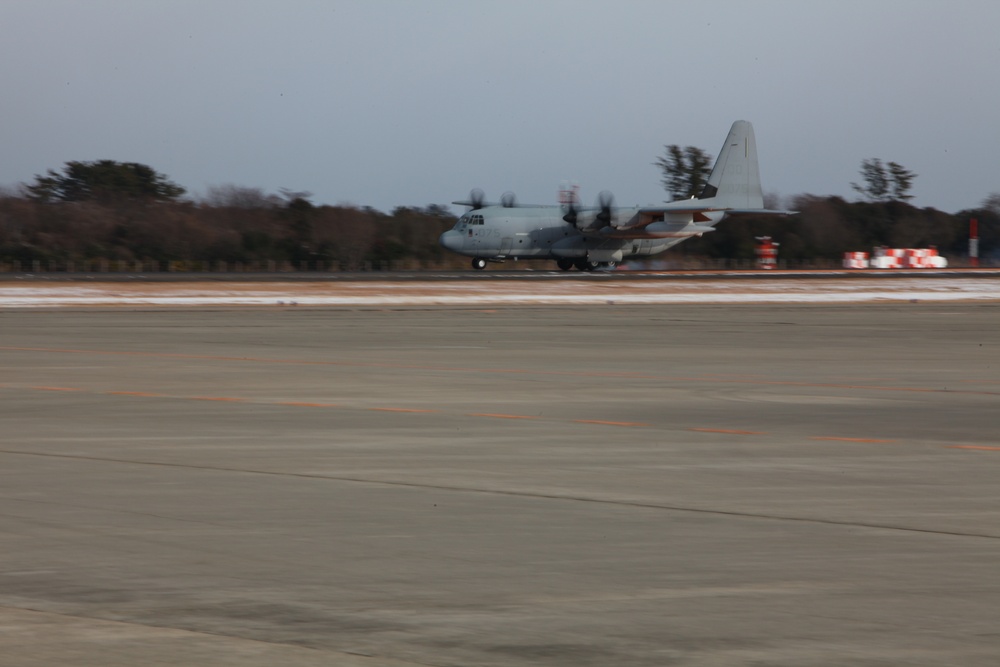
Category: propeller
[508,200]
[569,198]
[605,202]
[571,212]
[477,198]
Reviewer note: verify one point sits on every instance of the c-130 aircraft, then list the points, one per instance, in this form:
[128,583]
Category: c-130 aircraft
[602,236]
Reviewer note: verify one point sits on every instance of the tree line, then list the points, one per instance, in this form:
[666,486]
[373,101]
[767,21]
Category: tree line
[126,213]
[827,227]
[130,214]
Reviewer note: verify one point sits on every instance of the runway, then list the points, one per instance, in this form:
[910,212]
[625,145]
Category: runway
[510,289]
[578,484]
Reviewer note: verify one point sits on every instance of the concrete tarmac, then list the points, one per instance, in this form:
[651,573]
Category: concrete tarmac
[778,485]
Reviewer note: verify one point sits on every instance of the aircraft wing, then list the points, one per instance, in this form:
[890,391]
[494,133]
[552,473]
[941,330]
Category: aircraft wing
[694,209]
[677,221]
[487,204]
[759,211]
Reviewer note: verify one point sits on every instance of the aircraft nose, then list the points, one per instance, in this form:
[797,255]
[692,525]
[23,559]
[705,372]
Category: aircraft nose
[451,240]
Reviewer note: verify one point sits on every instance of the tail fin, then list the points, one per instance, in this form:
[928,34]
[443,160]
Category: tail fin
[735,178]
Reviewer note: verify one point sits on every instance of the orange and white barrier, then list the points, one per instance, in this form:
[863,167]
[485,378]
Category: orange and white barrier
[855,260]
[767,253]
[924,258]
[907,258]
[887,258]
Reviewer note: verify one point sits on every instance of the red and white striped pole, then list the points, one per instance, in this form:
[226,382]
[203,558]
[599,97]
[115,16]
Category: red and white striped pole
[974,242]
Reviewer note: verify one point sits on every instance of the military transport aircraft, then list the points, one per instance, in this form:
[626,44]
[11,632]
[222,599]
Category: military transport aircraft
[602,236]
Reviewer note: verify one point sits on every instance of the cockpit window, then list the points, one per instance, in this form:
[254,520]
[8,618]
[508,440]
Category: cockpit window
[467,220]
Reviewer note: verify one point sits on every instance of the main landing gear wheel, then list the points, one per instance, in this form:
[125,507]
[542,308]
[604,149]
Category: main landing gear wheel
[479,263]
[584,264]
[564,264]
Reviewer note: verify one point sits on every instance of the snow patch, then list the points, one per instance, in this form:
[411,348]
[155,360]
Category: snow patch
[439,293]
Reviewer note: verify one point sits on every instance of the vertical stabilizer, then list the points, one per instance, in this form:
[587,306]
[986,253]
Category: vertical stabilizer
[735,178]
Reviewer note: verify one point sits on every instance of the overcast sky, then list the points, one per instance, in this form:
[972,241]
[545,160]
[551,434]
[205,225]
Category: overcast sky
[409,103]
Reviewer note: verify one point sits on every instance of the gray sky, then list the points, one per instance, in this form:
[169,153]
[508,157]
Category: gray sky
[409,103]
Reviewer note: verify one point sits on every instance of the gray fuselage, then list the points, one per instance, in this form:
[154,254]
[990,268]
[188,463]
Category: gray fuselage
[498,233]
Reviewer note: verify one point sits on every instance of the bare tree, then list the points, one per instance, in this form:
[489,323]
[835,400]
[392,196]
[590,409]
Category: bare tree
[902,180]
[992,203]
[884,182]
[685,170]
[876,182]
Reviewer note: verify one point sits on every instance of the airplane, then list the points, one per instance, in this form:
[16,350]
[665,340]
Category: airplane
[600,237]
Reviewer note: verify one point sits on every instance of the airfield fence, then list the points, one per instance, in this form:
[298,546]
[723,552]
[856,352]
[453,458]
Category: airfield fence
[185,266]
[92,266]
